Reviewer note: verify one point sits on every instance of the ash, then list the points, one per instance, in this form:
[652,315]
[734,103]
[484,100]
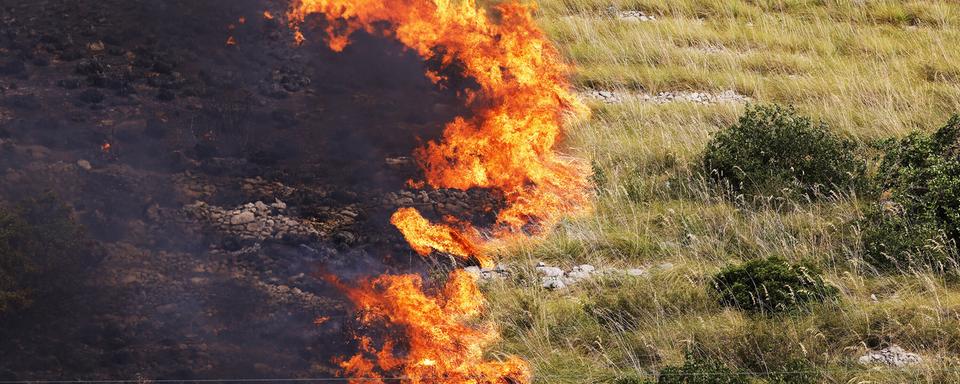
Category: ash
[217,181]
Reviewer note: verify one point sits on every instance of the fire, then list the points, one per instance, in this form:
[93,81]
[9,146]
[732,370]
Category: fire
[105,147]
[523,98]
[439,345]
[267,15]
[231,41]
[425,237]
[508,143]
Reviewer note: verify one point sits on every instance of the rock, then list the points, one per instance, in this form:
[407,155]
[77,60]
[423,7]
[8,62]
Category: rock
[474,271]
[587,268]
[892,356]
[242,218]
[550,271]
[553,283]
[580,272]
[85,165]
[279,205]
[636,272]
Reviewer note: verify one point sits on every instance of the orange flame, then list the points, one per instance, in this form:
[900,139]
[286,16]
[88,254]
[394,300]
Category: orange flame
[508,144]
[267,15]
[231,41]
[105,147]
[439,347]
[424,236]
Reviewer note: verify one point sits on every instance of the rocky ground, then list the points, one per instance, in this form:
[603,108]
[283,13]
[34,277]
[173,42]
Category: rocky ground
[220,169]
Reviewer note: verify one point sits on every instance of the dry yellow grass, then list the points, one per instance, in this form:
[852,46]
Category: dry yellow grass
[870,69]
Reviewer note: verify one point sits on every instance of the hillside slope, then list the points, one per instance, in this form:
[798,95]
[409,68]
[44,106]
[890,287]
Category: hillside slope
[662,77]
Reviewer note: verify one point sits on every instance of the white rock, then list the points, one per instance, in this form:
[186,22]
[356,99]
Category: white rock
[473,270]
[279,205]
[553,282]
[84,164]
[550,271]
[586,268]
[892,356]
[636,272]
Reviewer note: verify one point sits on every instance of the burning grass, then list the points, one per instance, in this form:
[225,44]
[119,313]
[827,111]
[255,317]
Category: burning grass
[519,104]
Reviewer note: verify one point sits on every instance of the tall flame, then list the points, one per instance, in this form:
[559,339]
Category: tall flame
[523,97]
[508,144]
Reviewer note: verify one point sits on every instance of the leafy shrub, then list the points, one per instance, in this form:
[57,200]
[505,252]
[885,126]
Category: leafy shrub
[41,251]
[916,223]
[700,371]
[772,148]
[770,285]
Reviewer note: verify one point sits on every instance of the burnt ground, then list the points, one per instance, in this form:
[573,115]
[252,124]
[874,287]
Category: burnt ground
[216,180]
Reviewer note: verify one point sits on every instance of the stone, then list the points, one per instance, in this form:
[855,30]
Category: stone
[279,205]
[636,272]
[242,218]
[85,165]
[892,356]
[553,283]
[473,271]
[550,271]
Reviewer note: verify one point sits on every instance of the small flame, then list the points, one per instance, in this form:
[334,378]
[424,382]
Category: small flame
[425,237]
[105,147]
[231,41]
[242,20]
[267,15]
[320,320]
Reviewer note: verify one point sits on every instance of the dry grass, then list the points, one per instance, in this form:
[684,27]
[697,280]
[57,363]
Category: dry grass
[870,69]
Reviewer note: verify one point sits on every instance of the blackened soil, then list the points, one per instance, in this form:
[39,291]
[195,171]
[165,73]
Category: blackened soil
[129,110]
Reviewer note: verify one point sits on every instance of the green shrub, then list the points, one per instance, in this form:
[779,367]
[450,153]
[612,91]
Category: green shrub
[772,148]
[770,285]
[700,371]
[916,222]
[41,251]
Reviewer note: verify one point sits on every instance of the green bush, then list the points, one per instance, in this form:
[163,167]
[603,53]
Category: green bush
[700,371]
[916,222]
[41,251]
[772,148]
[770,285]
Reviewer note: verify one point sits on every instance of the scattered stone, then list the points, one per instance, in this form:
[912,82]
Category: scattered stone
[892,356]
[85,165]
[635,16]
[636,272]
[258,221]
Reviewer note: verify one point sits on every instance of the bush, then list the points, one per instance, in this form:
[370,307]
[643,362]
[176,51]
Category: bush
[41,251]
[700,371]
[772,148]
[916,222]
[770,285]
